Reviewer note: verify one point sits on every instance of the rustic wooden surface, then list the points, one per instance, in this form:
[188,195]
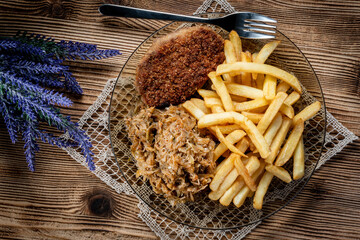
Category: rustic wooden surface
[63,200]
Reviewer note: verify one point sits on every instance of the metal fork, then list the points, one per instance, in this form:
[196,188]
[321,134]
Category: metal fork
[246,24]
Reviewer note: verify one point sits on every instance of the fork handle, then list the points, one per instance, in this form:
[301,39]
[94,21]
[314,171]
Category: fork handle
[130,12]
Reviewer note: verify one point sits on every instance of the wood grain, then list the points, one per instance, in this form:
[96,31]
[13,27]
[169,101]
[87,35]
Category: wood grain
[63,200]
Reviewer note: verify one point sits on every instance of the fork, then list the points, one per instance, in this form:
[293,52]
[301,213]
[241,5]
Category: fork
[246,24]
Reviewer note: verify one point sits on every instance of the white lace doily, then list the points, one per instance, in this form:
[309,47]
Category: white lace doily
[95,122]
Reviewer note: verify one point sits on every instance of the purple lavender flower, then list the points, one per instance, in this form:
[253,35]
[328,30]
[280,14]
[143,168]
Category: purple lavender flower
[29,64]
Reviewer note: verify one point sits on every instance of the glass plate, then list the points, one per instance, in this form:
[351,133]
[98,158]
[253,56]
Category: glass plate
[203,212]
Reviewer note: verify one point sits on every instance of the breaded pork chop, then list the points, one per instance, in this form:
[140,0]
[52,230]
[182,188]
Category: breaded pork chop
[176,65]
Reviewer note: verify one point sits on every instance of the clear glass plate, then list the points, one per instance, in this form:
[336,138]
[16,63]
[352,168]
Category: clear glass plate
[203,212]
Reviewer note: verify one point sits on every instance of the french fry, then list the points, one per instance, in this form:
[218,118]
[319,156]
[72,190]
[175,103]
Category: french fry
[236,98]
[292,98]
[260,81]
[251,145]
[265,52]
[257,138]
[243,172]
[287,110]
[308,112]
[252,166]
[207,93]
[250,105]
[228,181]
[200,104]
[236,41]
[262,189]
[290,144]
[271,112]
[273,129]
[245,76]
[230,55]
[232,138]
[269,87]
[227,129]
[222,173]
[253,56]
[259,109]
[260,68]
[278,140]
[217,109]
[213,119]
[228,144]
[221,90]
[244,91]
[254,117]
[244,192]
[279,172]
[282,87]
[242,146]
[229,51]
[193,110]
[299,160]
[210,102]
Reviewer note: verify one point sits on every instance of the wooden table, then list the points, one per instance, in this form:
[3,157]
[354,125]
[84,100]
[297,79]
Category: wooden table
[63,200]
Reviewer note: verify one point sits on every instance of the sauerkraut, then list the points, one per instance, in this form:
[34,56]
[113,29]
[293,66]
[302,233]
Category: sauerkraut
[171,153]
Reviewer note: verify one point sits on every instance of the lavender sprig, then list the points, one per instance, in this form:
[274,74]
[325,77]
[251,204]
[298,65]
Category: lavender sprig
[29,64]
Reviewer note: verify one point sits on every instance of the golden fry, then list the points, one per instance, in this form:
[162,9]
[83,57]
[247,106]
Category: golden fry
[292,98]
[227,129]
[207,93]
[221,90]
[308,112]
[244,91]
[213,119]
[265,52]
[228,181]
[257,138]
[279,172]
[273,129]
[282,87]
[252,166]
[269,87]
[278,140]
[193,110]
[243,172]
[260,81]
[254,117]
[262,189]
[245,76]
[260,68]
[222,173]
[299,160]
[236,98]
[232,138]
[271,112]
[210,102]
[217,109]
[287,111]
[250,105]
[240,197]
[290,144]
[227,143]
[242,146]
[200,104]
[236,41]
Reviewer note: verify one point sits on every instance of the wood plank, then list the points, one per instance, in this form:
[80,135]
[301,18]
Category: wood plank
[54,202]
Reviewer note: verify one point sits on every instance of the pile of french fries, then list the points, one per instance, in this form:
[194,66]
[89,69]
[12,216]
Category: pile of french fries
[249,110]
